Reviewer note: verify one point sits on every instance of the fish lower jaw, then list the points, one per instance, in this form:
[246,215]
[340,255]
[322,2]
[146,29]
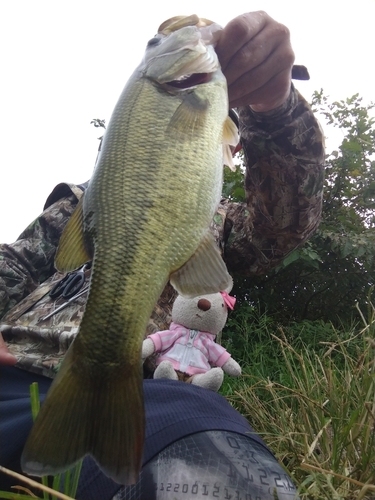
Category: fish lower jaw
[191,80]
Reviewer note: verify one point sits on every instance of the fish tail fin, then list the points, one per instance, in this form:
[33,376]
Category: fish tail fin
[84,414]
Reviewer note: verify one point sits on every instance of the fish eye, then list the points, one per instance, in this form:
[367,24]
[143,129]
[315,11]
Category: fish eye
[154,41]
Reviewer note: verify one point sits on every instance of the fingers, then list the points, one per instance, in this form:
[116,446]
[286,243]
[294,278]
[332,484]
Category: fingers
[257,58]
[236,35]
[269,94]
[6,358]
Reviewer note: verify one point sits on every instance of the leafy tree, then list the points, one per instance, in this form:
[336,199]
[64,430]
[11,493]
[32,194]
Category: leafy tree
[335,269]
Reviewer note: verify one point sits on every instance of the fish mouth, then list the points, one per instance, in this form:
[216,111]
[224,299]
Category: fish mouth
[188,81]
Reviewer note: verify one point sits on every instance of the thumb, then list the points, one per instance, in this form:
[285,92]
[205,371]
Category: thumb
[6,358]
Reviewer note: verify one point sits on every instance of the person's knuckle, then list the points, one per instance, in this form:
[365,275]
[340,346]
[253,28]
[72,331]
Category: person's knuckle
[283,31]
[288,56]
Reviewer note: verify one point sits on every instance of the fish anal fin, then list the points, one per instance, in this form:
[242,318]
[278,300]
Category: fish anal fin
[72,251]
[231,139]
[205,272]
[89,414]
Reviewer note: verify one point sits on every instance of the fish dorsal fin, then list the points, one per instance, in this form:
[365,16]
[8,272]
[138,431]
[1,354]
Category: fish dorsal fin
[178,22]
[72,251]
[205,272]
[230,138]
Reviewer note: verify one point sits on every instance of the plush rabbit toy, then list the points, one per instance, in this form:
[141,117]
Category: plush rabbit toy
[188,351]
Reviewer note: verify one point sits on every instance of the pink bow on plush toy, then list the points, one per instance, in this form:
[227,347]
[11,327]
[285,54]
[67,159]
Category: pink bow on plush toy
[229,300]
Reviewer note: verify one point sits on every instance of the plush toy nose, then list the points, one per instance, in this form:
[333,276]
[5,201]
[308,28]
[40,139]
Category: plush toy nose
[204,304]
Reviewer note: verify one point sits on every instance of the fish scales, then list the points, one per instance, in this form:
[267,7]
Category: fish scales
[148,212]
[144,219]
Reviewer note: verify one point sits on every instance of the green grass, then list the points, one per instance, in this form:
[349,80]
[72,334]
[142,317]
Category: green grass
[50,487]
[312,399]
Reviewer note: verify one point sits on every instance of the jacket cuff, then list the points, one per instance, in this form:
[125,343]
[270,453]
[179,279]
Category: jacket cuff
[279,114]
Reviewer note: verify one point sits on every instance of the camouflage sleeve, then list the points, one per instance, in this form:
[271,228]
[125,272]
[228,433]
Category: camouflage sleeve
[284,157]
[29,261]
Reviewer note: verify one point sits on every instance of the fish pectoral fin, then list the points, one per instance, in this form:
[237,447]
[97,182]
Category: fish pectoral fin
[189,118]
[89,413]
[231,138]
[72,251]
[205,272]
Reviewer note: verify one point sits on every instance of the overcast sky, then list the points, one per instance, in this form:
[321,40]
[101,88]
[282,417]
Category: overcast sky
[64,63]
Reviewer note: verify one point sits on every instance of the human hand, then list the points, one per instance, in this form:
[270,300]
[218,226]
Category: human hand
[256,57]
[6,358]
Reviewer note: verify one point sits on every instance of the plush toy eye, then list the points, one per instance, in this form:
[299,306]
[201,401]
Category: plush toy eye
[204,304]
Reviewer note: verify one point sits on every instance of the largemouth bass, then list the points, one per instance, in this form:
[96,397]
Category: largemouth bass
[143,220]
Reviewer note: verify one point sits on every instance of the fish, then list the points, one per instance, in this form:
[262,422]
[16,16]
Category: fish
[143,220]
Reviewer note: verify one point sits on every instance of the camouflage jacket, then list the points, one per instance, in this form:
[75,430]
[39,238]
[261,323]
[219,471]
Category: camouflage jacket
[284,156]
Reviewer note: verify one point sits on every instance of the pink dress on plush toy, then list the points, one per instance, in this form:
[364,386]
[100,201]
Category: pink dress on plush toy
[189,351]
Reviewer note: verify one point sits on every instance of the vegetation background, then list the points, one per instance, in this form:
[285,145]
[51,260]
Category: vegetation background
[304,333]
